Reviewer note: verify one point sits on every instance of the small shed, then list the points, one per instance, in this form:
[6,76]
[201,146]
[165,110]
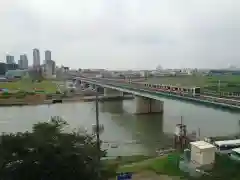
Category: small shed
[202,153]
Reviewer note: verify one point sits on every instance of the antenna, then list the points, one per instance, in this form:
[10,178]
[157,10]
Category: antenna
[199,133]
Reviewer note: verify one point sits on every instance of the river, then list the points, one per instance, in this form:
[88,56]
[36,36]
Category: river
[122,126]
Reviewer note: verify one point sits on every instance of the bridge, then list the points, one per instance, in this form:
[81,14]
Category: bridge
[149,100]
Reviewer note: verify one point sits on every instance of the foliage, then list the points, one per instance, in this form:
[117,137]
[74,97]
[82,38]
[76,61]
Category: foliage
[48,152]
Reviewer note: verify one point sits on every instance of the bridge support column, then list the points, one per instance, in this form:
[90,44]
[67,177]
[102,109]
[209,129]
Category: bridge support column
[112,92]
[146,105]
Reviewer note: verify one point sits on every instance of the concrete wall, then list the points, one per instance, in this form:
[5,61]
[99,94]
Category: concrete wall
[145,105]
[112,92]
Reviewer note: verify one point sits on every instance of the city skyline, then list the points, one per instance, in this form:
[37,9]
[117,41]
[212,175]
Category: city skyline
[43,53]
[125,34]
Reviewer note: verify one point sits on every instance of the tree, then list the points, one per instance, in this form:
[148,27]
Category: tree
[49,153]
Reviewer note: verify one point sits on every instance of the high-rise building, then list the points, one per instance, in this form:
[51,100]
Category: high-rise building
[36,57]
[48,55]
[50,67]
[23,62]
[10,59]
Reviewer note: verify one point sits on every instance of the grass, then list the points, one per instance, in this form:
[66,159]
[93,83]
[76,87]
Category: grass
[160,165]
[123,160]
[180,81]
[25,85]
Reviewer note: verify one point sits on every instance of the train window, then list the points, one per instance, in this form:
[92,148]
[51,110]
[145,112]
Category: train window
[197,90]
[154,86]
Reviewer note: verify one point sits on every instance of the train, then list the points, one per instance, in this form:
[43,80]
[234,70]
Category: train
[190,91]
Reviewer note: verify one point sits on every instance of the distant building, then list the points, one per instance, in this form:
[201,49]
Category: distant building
[23,62]
[3,69]
[13,66]
[48,55]
[49,68]
[10,74]
[10,59]
[36,58]
[223,72]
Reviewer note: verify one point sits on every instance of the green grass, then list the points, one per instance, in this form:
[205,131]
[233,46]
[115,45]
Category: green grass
[123,160]
[25,85]
[180,81]
[159,165]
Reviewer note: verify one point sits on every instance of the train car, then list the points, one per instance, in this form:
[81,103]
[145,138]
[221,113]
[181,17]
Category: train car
[195,91]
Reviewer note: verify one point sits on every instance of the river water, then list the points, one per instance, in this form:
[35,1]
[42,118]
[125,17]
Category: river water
[121,126]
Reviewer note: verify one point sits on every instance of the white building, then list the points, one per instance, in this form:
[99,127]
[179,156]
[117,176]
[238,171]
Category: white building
[36,58]
[23,62]
[10,59]
[48,55]
[48,73]
[202,153]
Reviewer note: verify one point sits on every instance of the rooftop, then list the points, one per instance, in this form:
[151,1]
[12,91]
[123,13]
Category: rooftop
[227,142]
[236,150]
[202,145]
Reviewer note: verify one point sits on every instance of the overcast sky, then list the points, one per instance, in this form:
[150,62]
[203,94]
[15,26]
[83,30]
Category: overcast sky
[123,34]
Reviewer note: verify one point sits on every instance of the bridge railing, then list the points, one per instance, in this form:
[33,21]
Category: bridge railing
[142,88]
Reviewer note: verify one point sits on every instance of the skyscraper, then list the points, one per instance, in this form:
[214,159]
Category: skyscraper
[36,57]
[10,59]
[48,55]
[50,67]
[23,62]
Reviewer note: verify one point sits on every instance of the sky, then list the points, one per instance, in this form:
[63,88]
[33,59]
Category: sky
[124,34]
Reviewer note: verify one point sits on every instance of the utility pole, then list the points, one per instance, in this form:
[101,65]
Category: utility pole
[97,122]
[97,132]
[219,86]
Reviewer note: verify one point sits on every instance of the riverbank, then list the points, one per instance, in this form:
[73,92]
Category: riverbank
[40,100]
[161,167]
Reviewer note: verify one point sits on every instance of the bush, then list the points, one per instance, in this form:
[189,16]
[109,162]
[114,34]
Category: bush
[58,92]
[31,93]
[47,152]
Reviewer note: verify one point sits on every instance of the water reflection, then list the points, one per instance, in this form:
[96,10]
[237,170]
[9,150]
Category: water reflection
[146,129]
[121,125]
[114,107]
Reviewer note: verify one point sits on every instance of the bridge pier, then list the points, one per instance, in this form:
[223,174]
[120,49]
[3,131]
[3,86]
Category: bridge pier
[146,105]
[112,92]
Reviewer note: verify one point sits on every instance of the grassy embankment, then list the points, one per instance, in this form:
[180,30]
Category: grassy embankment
[25,92]
[25,85]
[165,165]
